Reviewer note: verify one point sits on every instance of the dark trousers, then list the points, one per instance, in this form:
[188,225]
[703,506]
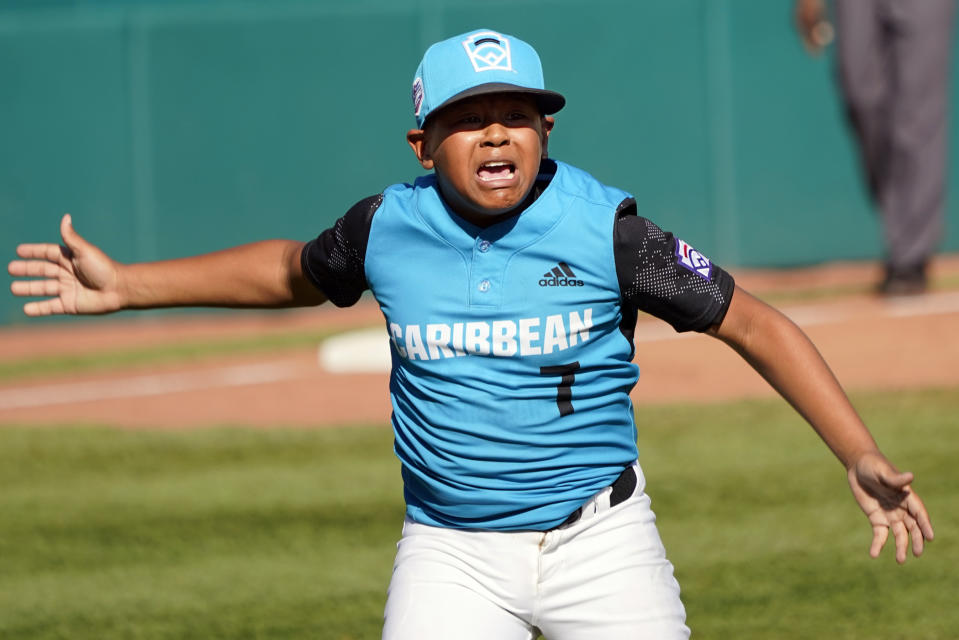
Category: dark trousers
[894,67]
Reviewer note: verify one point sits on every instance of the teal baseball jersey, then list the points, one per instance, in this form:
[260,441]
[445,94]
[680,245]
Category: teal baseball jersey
[512,345]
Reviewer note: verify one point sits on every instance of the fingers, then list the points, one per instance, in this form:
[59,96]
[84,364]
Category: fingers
[914,523]
[902,540]
[66,230]
[50,286]
[896,479]
[35,288]
[33,269]
[44,308]
[885,484]
[887,499]
[66,226]
[909,520]
[880,533]
[49,252]
[74,241]
[917,510]
[918,541]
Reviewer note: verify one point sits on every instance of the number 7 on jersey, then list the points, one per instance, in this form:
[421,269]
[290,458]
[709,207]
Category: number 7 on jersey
[564,391]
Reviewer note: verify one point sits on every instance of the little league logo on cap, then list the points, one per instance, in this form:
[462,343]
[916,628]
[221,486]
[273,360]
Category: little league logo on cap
[477,63]
[488,51]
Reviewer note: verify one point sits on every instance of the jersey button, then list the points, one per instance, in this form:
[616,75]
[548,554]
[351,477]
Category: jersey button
[484,286]
[484,245]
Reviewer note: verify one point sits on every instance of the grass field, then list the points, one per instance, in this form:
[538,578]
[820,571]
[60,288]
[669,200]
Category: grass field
[148,355]
[237,533]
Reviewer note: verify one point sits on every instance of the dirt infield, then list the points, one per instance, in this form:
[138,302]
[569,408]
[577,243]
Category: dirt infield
[871,343]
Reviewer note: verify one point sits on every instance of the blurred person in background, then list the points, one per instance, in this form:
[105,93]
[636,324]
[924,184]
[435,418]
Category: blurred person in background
[893,69]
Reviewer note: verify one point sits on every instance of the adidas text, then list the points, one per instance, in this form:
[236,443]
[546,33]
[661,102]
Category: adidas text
[560,282]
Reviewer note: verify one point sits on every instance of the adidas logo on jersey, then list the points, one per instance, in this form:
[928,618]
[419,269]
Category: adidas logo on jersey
[560,276]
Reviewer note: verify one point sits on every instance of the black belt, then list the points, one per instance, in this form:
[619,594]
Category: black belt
[623,487]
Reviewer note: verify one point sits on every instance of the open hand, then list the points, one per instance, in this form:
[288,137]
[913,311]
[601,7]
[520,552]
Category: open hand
[78,277]
[887,499]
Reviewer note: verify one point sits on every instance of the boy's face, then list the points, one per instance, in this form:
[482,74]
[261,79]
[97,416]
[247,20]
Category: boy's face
[486,152]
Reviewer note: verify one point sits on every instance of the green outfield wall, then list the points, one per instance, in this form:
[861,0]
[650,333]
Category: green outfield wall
[170,128]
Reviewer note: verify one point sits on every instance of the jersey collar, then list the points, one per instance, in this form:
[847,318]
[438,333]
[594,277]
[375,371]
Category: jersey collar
[514,233]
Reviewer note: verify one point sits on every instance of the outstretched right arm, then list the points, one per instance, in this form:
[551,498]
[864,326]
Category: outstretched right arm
[79,278]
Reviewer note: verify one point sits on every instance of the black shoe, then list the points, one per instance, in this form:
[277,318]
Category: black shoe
[909,281]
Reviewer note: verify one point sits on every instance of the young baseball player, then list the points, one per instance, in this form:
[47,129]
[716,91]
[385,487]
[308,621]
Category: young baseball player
[510,285]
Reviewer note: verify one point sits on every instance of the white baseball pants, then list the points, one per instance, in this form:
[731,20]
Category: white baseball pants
[604,576]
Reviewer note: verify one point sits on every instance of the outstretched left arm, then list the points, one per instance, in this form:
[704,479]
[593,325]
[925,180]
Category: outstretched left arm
[779,350]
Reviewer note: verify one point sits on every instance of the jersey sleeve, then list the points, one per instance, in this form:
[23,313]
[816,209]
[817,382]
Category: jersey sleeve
[664,276]
[335,261]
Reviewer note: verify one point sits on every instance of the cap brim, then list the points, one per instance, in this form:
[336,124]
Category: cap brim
[549,102]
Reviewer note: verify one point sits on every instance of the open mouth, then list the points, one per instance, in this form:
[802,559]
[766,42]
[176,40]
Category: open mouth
[496,170]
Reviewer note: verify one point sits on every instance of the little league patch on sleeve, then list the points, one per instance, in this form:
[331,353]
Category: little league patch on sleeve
[693,260]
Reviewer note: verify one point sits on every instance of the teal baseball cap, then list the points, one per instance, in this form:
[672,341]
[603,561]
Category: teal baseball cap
[476,63]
